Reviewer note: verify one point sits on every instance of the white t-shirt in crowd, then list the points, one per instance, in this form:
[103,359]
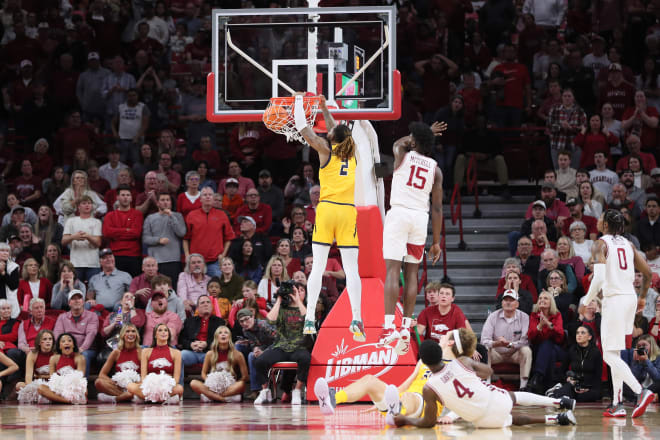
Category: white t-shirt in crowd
[83,254]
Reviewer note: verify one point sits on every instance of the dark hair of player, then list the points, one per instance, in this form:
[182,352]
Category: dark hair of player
[424,138]
[615,221]
[430,352]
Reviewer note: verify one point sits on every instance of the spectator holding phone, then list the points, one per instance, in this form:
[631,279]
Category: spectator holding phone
[644,363]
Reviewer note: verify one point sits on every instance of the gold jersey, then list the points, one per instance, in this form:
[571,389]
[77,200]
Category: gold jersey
[337,179]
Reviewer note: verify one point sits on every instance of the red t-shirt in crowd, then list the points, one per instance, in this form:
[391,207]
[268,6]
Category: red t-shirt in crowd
[208,233]
[646,134]
[621,97]
[517,78]
[437,324]
[589,222]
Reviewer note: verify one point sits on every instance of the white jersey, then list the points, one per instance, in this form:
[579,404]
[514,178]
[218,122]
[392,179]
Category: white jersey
[462,391]
[412,182]
[619,266]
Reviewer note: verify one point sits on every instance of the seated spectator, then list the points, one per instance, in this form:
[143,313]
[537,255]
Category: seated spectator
[163,285]
[189,200]
[141,284]
[525,299]
[602,178]
[193,280]
[642,120]
[505,336]
[231,200]
[300,246]
[231,283]
[29,328]
[32,286]
[161,315]
[591,207]
[546,334]
[435,321]
[647,232]
[50,266]
[619,199]
[550,260]
[234,172]
[644,362]
[9,333]
[122,229]
[297,219]
[528,263]
[329,288]
[257,336]
[207,154]
[30,243]
[17,216]
[567,256]
[261,247]
[526,282]
[125,357]
[314,199]
[198,333]
[583,366]
[124,313]
[289,346]
[253,208]
[576,207]
[271,195]
[247,266]
[9,279]
[555,209]
[222,356]
[556,285]
[538,212]
[539,237]
[209,233]
[80,323]
[635,181]
[47,229]
[588,316]
[83,235]
[162,233]
[283,250]
[655,183]
[37,360]
[108,286]
[68,281]
[594,138]
[273,275]
[68,202]
[27,186]
[204,179]
[250,293]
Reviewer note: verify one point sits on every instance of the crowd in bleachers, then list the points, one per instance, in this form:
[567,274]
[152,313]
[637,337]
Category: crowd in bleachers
[121,203]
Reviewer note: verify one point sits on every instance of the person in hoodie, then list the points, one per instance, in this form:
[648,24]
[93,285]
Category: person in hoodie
[163,284]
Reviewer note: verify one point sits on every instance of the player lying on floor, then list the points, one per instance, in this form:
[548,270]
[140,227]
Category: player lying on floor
[457,386]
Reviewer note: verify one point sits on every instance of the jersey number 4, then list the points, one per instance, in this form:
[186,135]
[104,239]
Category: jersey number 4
[417,177]
[462,390]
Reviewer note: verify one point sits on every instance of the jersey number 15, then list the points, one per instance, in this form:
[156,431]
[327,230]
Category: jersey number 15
[417,177]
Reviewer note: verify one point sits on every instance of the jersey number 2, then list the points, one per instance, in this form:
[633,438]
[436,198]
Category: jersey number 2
[461,390]
[621,254]
[343,171]
[419,176]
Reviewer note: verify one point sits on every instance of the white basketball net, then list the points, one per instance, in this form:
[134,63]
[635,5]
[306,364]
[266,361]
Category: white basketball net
[282,122]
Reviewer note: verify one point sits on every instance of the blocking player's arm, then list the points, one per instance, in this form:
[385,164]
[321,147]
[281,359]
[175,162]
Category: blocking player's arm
[436,216]
[406,383]
[428,420]
[316,142]
[642,266]
[480,369]
[600,258]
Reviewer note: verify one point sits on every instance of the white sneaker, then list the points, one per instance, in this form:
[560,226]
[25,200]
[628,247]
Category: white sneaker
[136,399]
[264,396]
[43,400]
[173,400]
[204,399]
[403,343]
[393,404]
[106,398]
[326,400]
[296,398]
[236,398]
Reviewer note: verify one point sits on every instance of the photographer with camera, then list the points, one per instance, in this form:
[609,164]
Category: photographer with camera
[288,315]
[585,367]
[644,361]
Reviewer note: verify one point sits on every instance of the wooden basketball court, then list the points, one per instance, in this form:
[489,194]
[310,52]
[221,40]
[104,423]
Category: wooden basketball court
[193,420]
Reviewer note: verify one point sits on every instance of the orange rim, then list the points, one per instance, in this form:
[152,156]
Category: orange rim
[288,100]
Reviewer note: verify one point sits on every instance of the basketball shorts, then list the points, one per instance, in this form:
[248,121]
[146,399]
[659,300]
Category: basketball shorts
[499,411]
[404,234]
[617,320]
[336,222]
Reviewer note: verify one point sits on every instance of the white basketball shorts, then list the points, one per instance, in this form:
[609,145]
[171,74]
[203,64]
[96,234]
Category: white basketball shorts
[404,234]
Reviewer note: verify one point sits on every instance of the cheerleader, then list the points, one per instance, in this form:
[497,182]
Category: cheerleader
[37,367]
[126,361]
[10,368]
[159,365]
[67,383]
[222,366]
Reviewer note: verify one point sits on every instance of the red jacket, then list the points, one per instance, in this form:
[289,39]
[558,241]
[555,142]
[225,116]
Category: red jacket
[263,215]
[556,334]
[11,337]
[184,206]
[25,292]
[31,332]
[208,233]
[123,230]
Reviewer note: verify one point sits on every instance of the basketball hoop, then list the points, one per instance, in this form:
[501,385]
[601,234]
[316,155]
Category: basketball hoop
[278,116]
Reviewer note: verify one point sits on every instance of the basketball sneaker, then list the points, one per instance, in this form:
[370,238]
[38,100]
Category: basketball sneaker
[265,396]
[566,418]
[309,328]
[403,344]
[388,336]
[567,403]
[357,328]
[615,411]
[393,404]
[644,399]
[326,396]
[106,398]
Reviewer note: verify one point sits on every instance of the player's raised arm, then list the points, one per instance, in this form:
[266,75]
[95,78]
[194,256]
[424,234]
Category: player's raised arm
[430,412]
[400,148]
[318,143]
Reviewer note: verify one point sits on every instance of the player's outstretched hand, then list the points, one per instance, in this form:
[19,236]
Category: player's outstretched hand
[438,127]
[435,252]
[446,420]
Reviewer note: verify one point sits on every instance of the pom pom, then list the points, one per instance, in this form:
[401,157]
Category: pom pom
[219,381]
[123,378]
[70,384]
[157,387]
[29,393]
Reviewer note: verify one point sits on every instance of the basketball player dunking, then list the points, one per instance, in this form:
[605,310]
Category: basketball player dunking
[336,216]
[416,179]
[615,261]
